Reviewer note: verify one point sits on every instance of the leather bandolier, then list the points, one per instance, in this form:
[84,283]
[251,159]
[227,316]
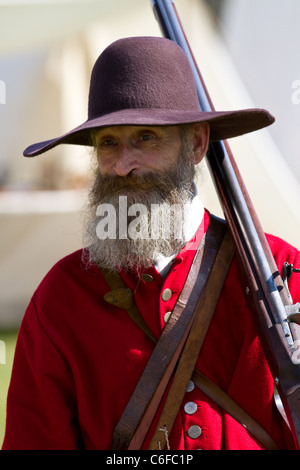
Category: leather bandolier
[179,345]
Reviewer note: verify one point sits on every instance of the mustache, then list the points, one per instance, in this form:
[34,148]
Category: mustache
[115,185]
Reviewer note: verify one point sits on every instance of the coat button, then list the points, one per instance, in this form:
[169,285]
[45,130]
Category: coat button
[190,408]
[166,295]
[167,316]
[194,432]
[190,386]
[147,277]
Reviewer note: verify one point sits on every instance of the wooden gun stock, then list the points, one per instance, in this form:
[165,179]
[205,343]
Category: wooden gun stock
[270,301]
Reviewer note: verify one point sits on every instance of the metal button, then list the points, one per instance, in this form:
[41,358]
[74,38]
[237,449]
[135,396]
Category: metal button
[167,294]
[190,386]
[147,277]
[167,316]
[190,408]
[194,432]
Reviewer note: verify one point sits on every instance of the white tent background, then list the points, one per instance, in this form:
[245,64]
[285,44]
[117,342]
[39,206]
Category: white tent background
[47,50]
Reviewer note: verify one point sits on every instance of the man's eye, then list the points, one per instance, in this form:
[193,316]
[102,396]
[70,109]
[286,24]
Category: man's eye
[107,143]
[146,137]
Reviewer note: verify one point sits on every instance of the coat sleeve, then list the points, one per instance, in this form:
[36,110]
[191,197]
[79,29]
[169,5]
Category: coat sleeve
[41,407]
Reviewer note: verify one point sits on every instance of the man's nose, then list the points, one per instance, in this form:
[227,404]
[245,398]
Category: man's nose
[126,161]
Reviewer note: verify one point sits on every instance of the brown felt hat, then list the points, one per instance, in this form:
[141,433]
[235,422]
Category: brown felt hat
[148,81]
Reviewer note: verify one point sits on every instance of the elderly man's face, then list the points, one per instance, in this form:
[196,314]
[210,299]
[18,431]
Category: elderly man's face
[153,169]
[137,150]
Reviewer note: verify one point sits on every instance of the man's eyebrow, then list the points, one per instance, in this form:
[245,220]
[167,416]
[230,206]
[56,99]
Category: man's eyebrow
[103,135]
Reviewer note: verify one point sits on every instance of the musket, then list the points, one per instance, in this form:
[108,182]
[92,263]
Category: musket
[276,316]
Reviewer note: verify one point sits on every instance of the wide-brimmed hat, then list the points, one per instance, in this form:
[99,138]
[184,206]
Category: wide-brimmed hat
[148,81]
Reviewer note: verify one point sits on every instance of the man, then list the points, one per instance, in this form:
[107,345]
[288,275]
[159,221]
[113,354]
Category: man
[79,355]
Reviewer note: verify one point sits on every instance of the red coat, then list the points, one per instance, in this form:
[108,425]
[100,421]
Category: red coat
[78,360]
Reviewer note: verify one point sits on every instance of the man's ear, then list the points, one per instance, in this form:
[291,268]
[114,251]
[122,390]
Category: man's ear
[200,140]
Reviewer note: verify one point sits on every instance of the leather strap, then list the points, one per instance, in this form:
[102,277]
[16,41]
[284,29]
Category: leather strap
[143,404]
[123,298]
[204,313]
[231,407]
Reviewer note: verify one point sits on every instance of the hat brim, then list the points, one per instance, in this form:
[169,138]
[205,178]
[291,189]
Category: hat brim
[223,124]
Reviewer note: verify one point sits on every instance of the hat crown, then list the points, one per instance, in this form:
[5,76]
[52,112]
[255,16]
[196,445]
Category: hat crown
[141,73]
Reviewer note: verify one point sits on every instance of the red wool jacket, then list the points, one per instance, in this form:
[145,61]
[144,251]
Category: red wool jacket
[78,360]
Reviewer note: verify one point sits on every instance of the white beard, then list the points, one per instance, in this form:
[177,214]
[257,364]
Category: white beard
[120,241]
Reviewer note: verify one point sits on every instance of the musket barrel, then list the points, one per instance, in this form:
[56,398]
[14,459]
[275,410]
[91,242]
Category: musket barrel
[251,245]
[172,29]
